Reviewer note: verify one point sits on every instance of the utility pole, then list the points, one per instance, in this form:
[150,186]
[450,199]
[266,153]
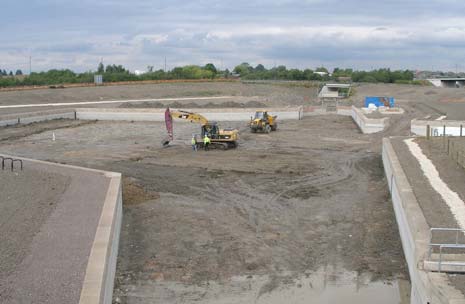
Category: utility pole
[165,64]
[275,72]
[30,65]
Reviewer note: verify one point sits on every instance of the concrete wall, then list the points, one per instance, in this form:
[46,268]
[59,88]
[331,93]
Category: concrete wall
[226,114]
[368,125]
[318,110]
[427,287]
[27,118]
[101,268]
[344,111]
[419,127]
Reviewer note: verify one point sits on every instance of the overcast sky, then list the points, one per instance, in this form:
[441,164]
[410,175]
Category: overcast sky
[414,34]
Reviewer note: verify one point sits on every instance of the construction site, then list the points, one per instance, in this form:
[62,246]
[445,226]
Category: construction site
[105,198]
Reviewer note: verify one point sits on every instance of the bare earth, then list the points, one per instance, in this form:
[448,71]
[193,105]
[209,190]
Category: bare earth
[280,206]
[245,225]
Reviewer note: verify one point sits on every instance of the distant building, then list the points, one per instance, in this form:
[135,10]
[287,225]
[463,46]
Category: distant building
[335,90]
[139,72]
[322,73]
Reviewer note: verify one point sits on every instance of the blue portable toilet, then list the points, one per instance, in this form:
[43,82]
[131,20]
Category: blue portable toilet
[379,101]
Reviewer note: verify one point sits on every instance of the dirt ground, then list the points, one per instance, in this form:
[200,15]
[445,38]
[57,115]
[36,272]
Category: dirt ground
[242,95]
[240,225]
[280,206]
[439,101]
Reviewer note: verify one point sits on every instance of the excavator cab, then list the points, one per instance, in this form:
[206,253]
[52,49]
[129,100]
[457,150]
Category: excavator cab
[211,129]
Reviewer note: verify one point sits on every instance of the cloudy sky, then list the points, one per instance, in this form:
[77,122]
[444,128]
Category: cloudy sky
[363,34]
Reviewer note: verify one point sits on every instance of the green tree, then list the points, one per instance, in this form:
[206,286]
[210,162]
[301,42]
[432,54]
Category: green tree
[243,69]
[259,68]
[211,67]
[322,69]
[19,72]
[101,68]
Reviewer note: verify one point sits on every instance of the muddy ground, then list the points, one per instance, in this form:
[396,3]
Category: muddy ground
[279,207]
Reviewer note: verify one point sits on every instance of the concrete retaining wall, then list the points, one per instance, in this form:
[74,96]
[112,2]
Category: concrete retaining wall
[344,111]
[368,125]
[427,287]
[27,118]
[418,127]
[101,267]
[226,114]
[318,110]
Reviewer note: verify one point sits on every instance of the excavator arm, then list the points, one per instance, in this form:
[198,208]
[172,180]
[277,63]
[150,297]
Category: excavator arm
[170,115]
[192,117]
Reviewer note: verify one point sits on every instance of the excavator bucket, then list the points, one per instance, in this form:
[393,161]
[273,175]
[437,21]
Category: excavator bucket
[169,127]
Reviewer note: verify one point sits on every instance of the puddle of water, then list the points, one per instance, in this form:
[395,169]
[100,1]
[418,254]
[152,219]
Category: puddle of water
[328,285]
[334,286]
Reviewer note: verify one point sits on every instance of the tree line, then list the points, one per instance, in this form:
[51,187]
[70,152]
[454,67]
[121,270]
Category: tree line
[115,73]
[322,74]
[5,73]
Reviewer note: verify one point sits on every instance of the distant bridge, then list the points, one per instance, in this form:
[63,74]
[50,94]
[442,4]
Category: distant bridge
[448,82]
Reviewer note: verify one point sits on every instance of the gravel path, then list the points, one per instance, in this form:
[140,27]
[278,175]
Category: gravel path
[27,199]
[451,198]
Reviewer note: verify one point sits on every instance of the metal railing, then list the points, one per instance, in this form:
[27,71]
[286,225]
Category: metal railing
[12,162]
[458,244]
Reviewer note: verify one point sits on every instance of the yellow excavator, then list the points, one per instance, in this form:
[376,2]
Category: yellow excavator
[219,138]
[263,122]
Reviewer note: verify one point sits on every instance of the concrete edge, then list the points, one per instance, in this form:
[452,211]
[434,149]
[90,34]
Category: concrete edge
[368,125]
[105,173]
[427,287]
[318,110]
[101,267]
[418,126]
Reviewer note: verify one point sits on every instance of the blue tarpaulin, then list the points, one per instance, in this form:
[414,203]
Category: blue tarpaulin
[379,101]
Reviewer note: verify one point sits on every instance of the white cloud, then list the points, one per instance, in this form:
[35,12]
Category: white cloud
[69,34]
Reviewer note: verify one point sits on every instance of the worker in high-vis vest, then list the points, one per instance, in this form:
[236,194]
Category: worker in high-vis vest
[206,142]
[194,143]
